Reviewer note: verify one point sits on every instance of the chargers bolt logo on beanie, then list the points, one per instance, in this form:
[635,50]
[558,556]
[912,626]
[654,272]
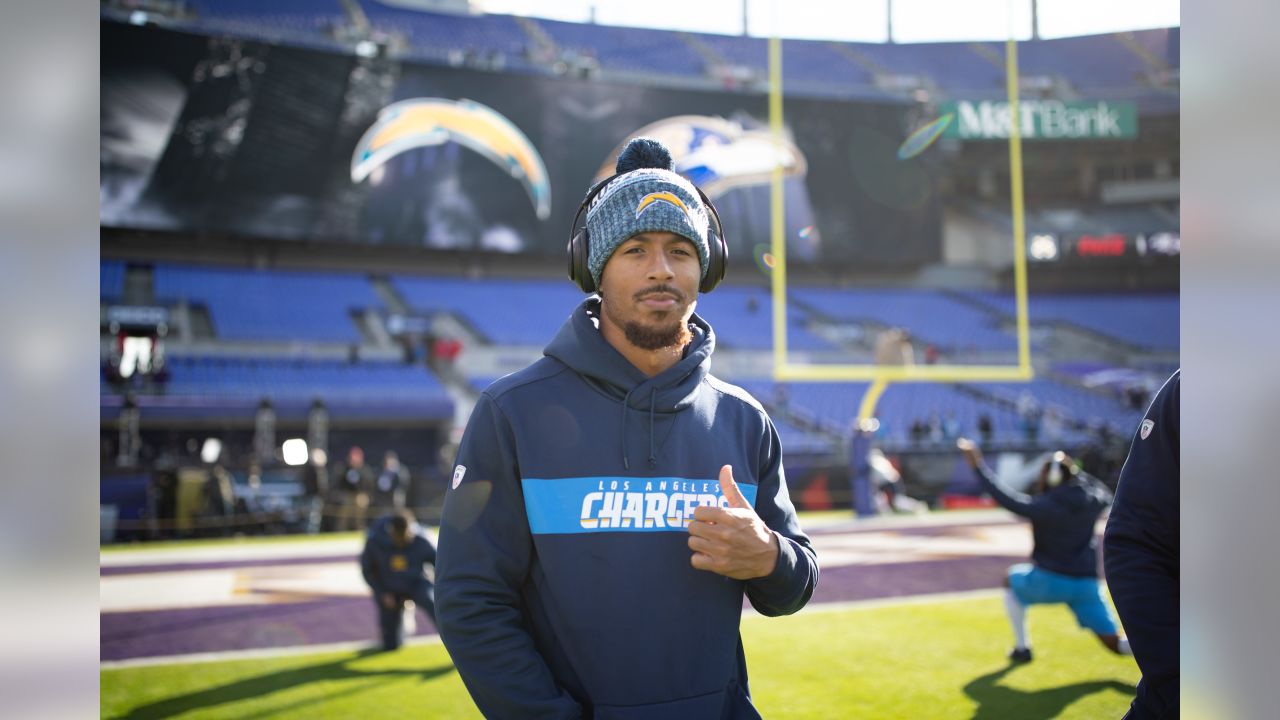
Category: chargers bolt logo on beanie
[662,197]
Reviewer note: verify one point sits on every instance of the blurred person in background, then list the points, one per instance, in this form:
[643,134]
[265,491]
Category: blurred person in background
[315,488]
[351,487]
[1140,550]
[613,502]
[252,516]
[219,501]
[1029,413]
[986,430]
[396,554]
[1064,560]
[391,485]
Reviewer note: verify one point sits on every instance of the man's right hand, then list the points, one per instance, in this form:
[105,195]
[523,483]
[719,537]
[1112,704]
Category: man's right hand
[388,601]
[971,453]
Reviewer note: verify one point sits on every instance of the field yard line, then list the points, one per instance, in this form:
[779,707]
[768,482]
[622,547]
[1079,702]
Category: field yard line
[256,654]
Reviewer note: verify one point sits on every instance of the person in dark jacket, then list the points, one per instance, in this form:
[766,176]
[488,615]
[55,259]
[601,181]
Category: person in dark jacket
[613,502]
[1140,551]
[350,488]
[390,486]
[1064,558]
[396,553]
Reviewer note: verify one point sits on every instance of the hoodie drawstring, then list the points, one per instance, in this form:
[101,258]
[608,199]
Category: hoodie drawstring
[626,463]
[626,405]
[653,460]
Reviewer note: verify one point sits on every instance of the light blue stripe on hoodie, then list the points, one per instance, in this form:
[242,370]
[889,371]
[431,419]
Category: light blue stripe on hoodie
[619,504]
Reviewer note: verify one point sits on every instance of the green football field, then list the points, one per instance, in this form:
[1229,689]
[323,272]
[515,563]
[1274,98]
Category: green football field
[933,659]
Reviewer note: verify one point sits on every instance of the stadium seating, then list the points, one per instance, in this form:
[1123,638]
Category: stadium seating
[796,441]
[259,377]
[111,280]
[627,49]
[200,384]
[270,304]
[1074,403]
[737,325]
[1087,62]
[1162,43]
[1144,321]
[834,406]
[957,68]
[303,21]
[930,316]
[817,68]
[1111,66]
[808,66]
[487,304]
[490,305]
[748,52]
[433,35]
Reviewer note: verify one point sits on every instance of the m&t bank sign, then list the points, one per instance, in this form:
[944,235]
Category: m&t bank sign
[1042,120]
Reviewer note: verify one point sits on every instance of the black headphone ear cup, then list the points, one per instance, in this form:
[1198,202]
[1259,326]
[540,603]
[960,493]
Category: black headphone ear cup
[717,248]
[579,272]
[717,262]
[579,246]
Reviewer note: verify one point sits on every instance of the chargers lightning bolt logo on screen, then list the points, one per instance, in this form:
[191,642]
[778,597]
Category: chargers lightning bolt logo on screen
[619,504]
[423,122]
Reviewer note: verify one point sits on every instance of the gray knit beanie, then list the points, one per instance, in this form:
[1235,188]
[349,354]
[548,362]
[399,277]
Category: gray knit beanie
[648,196]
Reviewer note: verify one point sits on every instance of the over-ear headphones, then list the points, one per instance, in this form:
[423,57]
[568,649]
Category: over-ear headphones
[579,246]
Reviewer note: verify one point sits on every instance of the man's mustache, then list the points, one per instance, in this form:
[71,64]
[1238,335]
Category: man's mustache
[657,289]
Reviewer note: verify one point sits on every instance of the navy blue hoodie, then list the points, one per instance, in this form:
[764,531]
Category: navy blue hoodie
[388,567]
[564,584]
[1062,521]
[1140,549]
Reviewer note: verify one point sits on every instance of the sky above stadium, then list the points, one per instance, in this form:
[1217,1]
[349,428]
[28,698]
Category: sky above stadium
[861,20]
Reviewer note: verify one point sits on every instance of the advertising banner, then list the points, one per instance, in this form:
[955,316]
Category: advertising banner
[1041,120]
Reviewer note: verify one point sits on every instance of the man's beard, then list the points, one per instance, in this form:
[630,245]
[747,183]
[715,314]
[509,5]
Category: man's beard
[657,338]
[647,337]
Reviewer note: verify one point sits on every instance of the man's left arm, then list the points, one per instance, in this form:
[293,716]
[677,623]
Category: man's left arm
[763,545]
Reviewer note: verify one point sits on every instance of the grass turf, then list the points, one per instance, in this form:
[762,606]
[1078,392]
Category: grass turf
[942,659]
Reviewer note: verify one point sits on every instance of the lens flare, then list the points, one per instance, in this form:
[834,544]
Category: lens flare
[764,259]
[924,136]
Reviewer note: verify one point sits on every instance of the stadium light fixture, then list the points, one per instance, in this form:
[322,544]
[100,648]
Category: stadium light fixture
[211,450]
[1043,247]
[294,451]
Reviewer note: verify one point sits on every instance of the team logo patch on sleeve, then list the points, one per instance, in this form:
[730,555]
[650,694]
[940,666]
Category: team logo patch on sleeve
[619,504]
[1146,428]
[458,472]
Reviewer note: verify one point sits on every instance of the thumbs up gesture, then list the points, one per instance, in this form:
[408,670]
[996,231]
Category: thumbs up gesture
[732,541]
